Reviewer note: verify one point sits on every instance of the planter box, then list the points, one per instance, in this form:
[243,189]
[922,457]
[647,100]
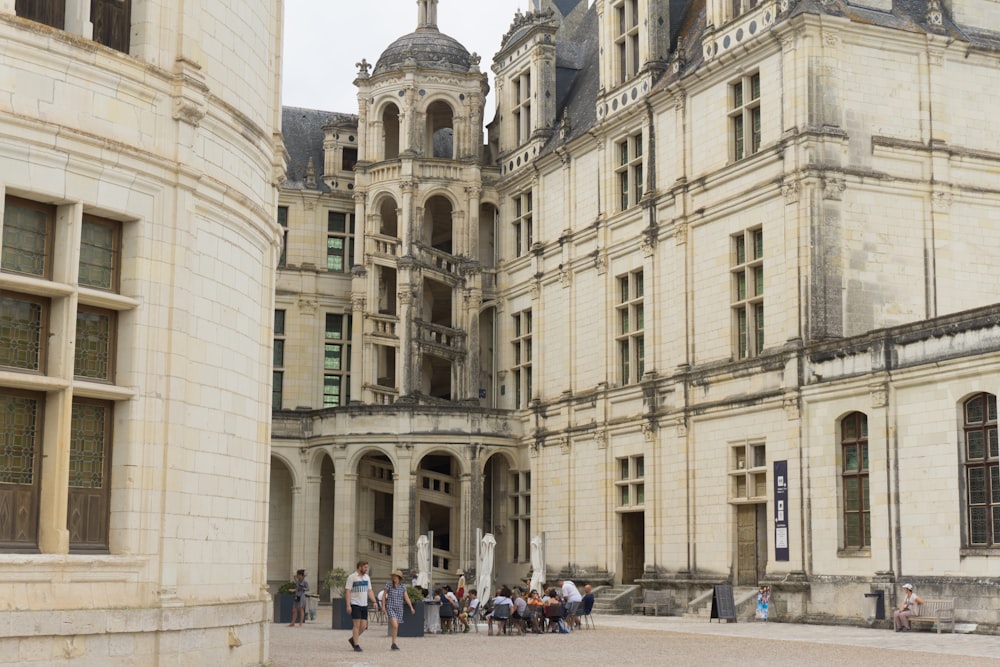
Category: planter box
[341,617]
[283,605]
[412,625]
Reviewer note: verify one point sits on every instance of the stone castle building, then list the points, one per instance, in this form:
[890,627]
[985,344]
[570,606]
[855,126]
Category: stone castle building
[140,154]
[714,300]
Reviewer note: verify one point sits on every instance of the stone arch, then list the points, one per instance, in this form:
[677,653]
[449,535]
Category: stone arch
[440,129]
[438,224]
[390,124]
[375,505]
[386,211]
[279,546]
[438,474]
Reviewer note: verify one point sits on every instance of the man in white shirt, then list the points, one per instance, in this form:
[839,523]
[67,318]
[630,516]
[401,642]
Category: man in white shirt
[571,598]
[358,592]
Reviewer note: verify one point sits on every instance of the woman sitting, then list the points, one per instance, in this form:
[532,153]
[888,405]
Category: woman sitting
[502,599]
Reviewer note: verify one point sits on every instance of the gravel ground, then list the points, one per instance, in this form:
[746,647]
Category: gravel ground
[631,640]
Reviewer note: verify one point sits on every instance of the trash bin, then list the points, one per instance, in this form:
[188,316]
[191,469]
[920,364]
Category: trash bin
[312,604]
[874,606]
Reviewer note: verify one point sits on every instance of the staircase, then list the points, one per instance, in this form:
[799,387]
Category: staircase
[615,599]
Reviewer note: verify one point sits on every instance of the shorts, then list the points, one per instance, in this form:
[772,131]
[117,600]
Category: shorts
[359,612]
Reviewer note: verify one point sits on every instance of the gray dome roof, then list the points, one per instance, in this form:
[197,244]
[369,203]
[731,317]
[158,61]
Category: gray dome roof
[428,48]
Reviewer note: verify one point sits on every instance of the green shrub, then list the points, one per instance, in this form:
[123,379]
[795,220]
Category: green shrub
[415,594]
[287,588]
[334,581]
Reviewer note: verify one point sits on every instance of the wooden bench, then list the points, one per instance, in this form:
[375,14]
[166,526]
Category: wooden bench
[936,611]
[656,600]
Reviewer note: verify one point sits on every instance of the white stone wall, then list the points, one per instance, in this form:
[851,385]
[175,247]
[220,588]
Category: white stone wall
[180,149]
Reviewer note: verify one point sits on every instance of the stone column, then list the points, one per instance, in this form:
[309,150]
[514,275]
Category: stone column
[345,538]
[402,540]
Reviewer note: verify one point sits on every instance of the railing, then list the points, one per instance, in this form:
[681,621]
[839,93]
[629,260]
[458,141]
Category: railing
[489,280]
[443,170]
[430,481]
[389,171]
[382,395]
[453,339]
[441,260]
[441,560]
[379,545]
[383,325]
[386,246]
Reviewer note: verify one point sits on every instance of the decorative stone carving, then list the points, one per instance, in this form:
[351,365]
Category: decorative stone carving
[879,396]
[833,188]
[601,439]
[648,241]
[307,305]
[189,112]
[941,201]
[363,68]
[791,406]
[564,444]
[358,303]
[791,192]
[934,15]
[649,430]
[601,262]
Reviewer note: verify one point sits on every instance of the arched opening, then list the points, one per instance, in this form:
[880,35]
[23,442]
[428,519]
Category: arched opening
[487,256]
[441,130]
[507,514]
[279,545]
[376,489]
[390,131]
[324,557]
[487,358]
[437,227]
[438,503]
[388,213]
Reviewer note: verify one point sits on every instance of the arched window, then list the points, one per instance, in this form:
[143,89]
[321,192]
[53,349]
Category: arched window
[982,471]
[854,480]
[440,129]
[390,132]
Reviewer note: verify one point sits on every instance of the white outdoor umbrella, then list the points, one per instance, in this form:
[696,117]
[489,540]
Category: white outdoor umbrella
[537,564]
[484,574]
[423,561]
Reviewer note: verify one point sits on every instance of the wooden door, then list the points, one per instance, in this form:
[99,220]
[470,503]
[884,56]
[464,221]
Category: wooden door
[746,545]
[633,546]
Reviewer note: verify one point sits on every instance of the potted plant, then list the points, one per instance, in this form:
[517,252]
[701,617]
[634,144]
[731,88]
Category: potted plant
[284,602]
[413,624]
[334,581]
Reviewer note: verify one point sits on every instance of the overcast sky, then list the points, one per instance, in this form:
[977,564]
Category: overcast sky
[324,38]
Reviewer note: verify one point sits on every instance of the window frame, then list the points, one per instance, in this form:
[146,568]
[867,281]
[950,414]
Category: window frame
[989,464]
[520,515]
[346,237]
[342,374]
[521,340]
[283,223]
[48,237]
[746,276]
[523,222]
[626,17]
[115,253]
[630,482]
[630,327]
[111,344]
[521,107]
[42,325]
[745,112]
[748,471]
[630,170]
[855,436]
[29,543]
[278,369]
[92,540]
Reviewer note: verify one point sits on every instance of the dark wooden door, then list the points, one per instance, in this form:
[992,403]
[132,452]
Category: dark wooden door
[633,546]
[746,545]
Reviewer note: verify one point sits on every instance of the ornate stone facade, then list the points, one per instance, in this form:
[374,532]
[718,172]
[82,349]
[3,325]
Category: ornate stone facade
[826,312]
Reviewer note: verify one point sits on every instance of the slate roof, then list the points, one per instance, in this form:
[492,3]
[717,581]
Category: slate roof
[303,133]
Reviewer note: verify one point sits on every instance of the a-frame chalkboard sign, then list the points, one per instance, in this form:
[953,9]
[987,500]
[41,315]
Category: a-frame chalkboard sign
[723,606]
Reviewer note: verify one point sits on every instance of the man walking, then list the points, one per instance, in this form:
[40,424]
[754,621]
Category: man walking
[359,592]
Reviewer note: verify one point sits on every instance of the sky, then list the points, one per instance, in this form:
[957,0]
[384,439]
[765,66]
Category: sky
[324,38]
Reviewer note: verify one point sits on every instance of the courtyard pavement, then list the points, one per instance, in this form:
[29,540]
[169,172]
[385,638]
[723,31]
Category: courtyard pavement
[645,640]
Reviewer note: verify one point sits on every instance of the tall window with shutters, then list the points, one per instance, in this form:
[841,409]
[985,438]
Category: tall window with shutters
[981,456]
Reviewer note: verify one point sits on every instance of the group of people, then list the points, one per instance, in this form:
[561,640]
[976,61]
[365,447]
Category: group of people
[556,609]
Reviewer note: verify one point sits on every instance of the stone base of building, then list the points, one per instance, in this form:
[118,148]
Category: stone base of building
[213,634]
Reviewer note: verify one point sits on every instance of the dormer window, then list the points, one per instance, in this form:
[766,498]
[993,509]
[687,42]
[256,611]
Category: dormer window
[626,15]
[522,107]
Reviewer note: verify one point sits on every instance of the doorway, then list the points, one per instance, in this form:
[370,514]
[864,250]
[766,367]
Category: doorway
[633,546]
[751,543]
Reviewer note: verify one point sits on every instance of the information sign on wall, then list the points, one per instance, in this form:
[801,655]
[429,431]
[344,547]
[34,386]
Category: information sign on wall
[781,510]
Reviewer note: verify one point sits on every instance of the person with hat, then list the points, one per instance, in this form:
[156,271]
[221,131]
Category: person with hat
[460,588]
[392,603]
[909,607]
